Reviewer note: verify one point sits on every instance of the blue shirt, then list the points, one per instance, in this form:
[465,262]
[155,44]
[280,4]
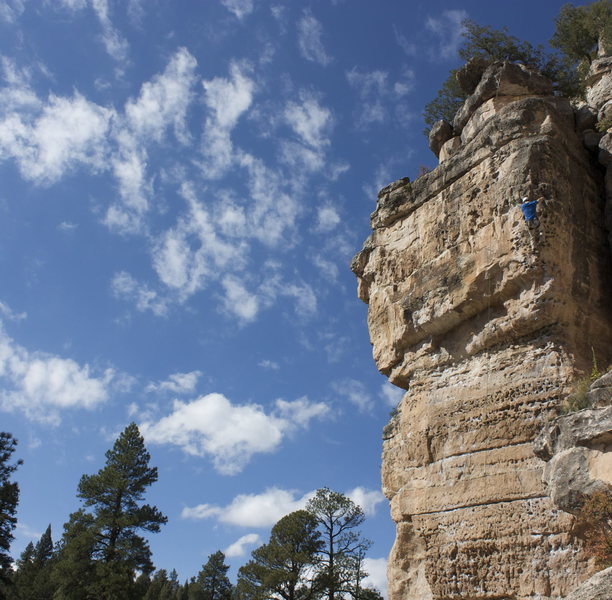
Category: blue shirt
[529,210]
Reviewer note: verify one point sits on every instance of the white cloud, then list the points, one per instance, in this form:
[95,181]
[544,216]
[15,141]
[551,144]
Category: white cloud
[238,301]
[391,394]
[240,8]
[238,548]
[377,574]
[265,509]
[163,103]
[192,252]
[227,100]
[164,100]
[25,531]
[379,96]
[67,226]
[124,286]
[309,40]
[268,364]
[68,132]
[252,510]
[355,392]
[9,314]
[367,499]
[310,121]
[41,385]
[229,433]
[116,46]
[448,29]
[10,10]
[177,383]
[327,218]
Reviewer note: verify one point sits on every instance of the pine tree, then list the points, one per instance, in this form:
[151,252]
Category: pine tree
[9,498]
[106,540]
[284,567]
[212,582]
[338,518]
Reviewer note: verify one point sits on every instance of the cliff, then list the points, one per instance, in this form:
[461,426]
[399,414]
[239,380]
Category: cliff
[486,323]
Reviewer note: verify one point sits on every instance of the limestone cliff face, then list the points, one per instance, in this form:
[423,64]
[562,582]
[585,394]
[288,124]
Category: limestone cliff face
[485,323]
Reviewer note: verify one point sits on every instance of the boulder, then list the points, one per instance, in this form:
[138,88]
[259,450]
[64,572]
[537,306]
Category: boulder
[470,74]
[503,79]
[441,132]
[599,83]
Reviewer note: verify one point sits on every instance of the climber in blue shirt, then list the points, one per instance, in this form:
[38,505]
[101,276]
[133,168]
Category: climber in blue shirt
[529,212]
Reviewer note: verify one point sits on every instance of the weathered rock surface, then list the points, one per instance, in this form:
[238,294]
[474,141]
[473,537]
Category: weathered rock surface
[578,448]
[598,587]
[440,133]
[484,322]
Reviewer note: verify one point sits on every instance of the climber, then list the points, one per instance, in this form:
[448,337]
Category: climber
[529,212]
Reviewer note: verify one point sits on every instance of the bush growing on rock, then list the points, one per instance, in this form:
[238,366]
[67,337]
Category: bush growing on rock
[596,519]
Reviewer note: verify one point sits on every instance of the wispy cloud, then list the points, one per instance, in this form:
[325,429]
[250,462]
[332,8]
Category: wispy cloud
[125,287]
[177,383]
[226,99]
[448,30]
[356,393]
[240,8]
[391,394]
[310,32]
[10,10]
[379,96]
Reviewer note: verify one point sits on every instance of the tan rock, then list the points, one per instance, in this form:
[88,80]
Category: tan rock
[450,147]
[485,322]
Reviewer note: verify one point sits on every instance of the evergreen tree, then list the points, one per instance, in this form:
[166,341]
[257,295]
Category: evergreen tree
[212,582]
[74,570]
[285,566]
[338,518]
[106,540]
[32,579]
[9,498]
[24,574]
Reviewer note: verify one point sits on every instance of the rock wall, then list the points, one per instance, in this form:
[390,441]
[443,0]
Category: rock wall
[485,323]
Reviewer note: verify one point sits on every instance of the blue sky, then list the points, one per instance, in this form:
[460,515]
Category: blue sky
[183,185]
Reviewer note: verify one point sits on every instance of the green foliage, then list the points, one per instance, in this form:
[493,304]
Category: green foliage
[604,124]
[101,551]
[32,579]
[447,102]
[338,518]
[490,45]
[582,30]
[9,498]
[212,582]
[579,398]
[595,518]
[284,567]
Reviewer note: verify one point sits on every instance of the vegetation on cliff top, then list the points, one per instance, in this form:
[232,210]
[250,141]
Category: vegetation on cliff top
[581,32]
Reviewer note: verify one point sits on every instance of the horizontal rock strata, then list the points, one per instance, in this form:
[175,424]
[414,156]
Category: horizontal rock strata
[485,322]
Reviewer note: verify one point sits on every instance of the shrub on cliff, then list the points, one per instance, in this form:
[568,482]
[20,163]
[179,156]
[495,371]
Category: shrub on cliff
[580,33]
[595,518]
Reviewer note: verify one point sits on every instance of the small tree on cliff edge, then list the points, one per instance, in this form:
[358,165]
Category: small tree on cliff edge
[580,33]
